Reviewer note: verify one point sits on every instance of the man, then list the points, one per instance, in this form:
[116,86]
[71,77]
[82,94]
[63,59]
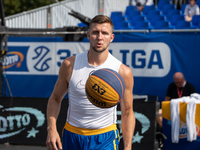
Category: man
[87,126]
[179,88]
[191,9]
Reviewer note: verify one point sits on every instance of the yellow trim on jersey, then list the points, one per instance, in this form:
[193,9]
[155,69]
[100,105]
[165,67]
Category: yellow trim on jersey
[82,131]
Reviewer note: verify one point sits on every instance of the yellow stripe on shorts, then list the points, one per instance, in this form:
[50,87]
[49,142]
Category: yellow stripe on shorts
[88,132]
[114,140]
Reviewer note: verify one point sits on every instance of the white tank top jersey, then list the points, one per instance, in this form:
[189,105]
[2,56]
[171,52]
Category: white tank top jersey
[81,112]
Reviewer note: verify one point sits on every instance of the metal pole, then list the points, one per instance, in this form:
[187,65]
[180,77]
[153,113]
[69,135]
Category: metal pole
[41,32]
[101,6]
[49,17]
[1,46]
[8,86]
[1,76]
[2,14]
[130,2]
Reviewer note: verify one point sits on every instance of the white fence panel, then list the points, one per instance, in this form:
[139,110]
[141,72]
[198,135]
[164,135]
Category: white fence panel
[56,15]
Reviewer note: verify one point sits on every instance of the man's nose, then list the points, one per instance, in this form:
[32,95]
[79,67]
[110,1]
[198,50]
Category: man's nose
[100,35]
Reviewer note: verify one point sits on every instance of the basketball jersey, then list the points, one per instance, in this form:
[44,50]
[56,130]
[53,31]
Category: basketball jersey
[81,112]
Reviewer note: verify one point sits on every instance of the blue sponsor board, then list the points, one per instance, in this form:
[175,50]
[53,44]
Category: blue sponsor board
[15,59]
[153,59]
[183,144]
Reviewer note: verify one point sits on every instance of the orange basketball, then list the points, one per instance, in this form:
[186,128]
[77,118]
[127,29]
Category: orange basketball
[105,88]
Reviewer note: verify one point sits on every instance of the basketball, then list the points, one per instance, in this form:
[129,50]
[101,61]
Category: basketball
[105,88]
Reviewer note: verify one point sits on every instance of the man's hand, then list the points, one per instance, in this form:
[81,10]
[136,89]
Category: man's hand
[53,138]
[187,18]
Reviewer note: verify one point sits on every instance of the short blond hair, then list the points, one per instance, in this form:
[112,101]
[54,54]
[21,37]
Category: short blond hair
[101,19]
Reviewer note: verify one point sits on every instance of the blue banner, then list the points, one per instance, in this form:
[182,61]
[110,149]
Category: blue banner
[182,144]
[32,63]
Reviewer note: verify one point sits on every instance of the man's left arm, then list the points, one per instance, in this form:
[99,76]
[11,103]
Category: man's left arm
[127,114]
[197,11]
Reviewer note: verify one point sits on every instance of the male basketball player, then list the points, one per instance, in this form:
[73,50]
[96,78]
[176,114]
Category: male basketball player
[88,126]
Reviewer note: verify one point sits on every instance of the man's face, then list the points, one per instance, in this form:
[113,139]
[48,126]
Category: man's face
[100,36]
[192,3]
[179,82]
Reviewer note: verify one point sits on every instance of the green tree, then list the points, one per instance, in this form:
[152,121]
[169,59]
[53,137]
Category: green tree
[12,7]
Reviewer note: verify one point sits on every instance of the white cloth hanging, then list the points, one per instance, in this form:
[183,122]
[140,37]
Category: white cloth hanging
[175,117]
[190,118]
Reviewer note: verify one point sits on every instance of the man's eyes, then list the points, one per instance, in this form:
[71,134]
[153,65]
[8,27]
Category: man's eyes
[105,33]
[97,32]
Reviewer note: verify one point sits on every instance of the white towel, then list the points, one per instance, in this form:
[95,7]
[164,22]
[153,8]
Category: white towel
[175,117]
[190,119]
[195,95]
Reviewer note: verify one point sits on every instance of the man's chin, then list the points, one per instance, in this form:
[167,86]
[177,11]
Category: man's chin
[99,50]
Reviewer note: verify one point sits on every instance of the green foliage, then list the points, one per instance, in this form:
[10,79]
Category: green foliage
[12,7]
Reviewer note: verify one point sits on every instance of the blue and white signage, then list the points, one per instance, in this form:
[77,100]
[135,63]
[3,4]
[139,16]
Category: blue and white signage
[32,64]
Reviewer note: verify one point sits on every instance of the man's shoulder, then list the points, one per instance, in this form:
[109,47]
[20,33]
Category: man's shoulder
[188,5]
[190,87]
[196,6]
[69,61]
[189,84]
[125,71]
[193,7]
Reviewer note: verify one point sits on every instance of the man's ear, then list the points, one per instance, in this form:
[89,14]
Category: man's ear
[88,35]
[112,38]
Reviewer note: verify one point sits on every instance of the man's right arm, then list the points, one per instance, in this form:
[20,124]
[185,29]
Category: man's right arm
[186,13]
[186,10]
[54,103]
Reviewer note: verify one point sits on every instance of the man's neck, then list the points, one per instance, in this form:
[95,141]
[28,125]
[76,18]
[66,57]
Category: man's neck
[96,59]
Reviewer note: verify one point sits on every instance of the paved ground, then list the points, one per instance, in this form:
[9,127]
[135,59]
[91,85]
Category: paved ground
[21,147]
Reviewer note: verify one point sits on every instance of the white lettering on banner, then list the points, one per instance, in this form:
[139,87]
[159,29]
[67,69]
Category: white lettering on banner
[3,124]
[10,60]
[146,59]
[15,124]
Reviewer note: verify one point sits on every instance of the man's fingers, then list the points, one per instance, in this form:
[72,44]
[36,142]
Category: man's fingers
[59,144]
[51,146]
[54,146]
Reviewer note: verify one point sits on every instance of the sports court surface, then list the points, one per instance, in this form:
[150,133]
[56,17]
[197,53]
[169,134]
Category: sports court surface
[21,147]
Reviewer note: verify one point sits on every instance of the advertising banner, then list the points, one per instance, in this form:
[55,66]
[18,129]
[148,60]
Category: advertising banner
[23,121]
[32,64]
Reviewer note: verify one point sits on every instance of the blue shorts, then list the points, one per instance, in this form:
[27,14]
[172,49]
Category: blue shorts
[90,139]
